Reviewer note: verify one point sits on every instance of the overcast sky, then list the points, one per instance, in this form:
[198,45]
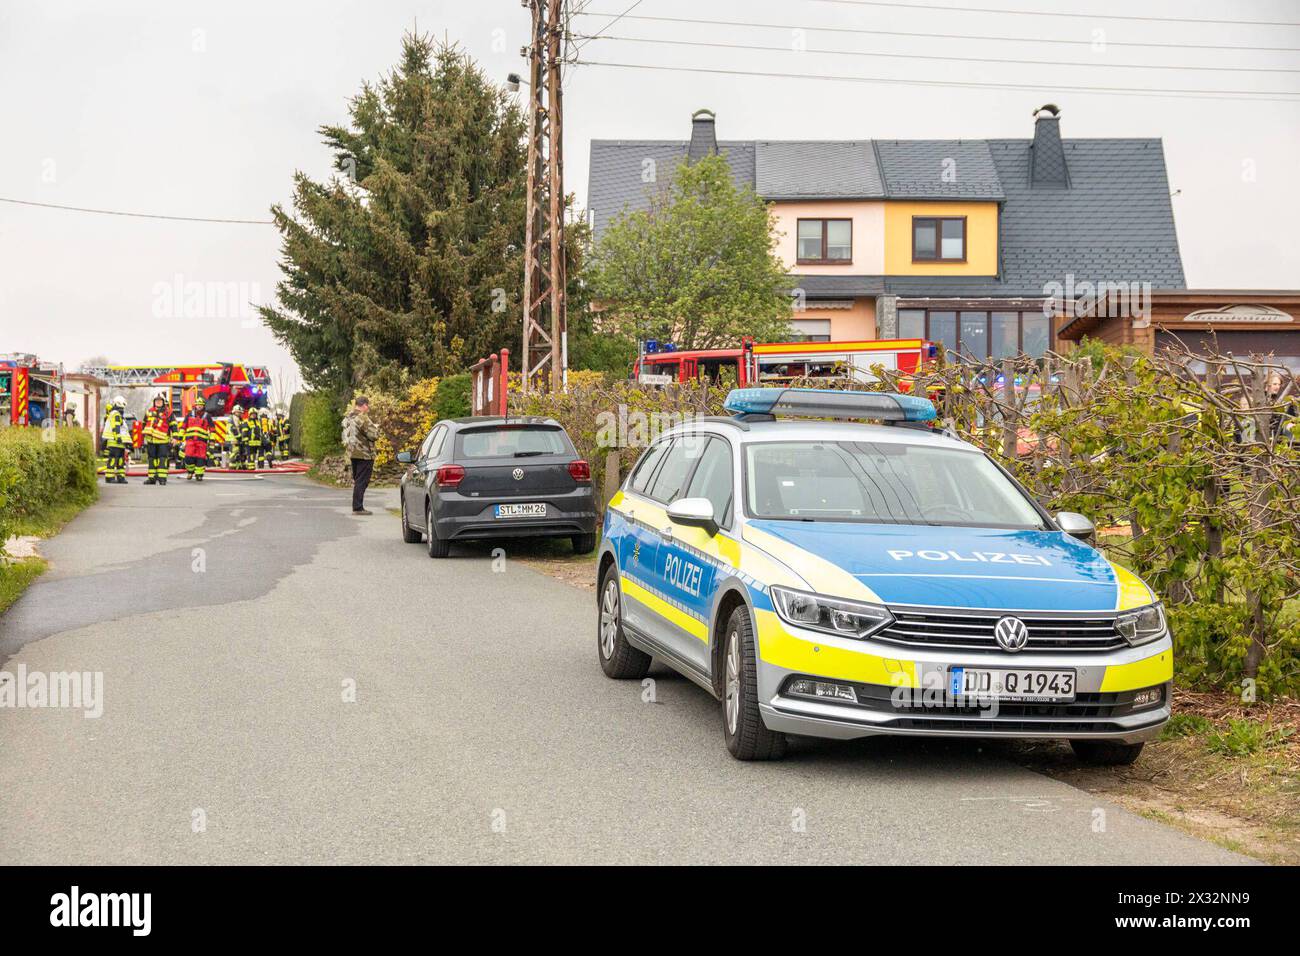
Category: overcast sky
[206,109]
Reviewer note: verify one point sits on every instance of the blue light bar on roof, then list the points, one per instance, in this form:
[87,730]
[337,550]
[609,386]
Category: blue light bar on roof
[829,403]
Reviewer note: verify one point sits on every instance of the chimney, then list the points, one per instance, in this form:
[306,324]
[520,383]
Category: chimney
[704,141]
[1047,169]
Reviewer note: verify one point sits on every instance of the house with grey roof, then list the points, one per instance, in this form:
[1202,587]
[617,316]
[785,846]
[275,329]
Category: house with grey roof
[975,244]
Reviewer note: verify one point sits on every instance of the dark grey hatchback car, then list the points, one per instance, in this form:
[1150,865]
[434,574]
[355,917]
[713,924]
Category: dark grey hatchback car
[475,478]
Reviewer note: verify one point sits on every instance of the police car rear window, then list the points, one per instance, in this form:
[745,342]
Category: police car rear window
[882,483]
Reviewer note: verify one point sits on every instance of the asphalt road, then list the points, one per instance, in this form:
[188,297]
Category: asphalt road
[230,619]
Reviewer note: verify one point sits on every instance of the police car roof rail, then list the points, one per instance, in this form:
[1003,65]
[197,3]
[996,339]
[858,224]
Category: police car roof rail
[739,421]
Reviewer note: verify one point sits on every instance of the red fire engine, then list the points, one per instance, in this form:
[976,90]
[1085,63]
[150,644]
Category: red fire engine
[778,363]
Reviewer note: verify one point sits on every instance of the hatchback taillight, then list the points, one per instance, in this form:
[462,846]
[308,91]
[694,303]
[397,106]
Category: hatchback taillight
[449,476]
[579,470]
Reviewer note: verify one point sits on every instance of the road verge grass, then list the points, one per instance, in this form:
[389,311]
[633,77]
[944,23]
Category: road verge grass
[1223,770]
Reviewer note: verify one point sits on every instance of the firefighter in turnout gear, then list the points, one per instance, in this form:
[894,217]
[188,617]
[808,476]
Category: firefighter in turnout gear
[238,444]
[198,431]
[267,428]
[282,436]
[176,435]
[253,436]
[116,436]
[157,435]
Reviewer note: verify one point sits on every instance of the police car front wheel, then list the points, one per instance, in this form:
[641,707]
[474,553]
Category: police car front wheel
[748,738]
[618,658]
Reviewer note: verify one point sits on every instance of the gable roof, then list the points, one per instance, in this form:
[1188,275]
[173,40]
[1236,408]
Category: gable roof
[938,169]
[1114,221]
[810,169]
[625,173]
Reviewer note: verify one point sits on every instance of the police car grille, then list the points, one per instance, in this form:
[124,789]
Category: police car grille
[963,631]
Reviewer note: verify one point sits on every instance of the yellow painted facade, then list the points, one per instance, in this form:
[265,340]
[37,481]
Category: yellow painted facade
[981,238]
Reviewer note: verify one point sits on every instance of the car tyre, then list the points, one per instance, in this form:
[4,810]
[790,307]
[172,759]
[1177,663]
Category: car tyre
[618,659]
[748,738]
[584,543]
[1106,753]
[409,534]
[437,547]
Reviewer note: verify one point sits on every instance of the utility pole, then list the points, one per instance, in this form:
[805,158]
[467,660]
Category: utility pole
[544,356]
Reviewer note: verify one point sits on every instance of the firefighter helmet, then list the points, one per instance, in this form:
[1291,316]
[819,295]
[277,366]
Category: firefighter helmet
[117,402]
[200,402]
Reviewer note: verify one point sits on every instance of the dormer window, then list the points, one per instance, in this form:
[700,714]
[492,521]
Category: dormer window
[938,239]
[824,241]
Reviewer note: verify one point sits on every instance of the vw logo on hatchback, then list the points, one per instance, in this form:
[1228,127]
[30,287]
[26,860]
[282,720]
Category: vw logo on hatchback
[1011,633]
[518,474]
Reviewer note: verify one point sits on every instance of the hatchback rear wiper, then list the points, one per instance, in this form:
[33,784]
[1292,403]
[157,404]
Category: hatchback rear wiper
[528,454]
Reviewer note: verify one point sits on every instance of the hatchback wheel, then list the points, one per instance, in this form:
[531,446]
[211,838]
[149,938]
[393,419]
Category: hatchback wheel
[618,658]
[748,738]
[437,547]
[409,534]
[584,543]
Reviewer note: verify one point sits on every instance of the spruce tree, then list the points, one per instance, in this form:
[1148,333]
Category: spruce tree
[409,262]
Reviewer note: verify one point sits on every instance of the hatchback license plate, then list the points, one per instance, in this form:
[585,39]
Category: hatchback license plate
[537,510]
[1030,686]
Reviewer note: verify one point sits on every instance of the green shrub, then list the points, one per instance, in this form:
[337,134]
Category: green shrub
[1246,737]
[451,400]
[322,427]
[1186,725]
[43,469]
[297,406]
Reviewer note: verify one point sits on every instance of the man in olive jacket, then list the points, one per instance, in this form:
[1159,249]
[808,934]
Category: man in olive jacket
[359,434]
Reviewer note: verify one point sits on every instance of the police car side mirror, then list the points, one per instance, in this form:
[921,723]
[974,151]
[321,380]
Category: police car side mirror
[404,457]
[696,512]
[1076,525]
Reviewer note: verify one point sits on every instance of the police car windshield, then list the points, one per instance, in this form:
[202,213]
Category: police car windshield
[882,483]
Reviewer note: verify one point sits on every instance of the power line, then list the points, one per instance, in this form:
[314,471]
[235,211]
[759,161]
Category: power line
[138,215]
[1057,13]
[635,4]
[959,59]
[1242,96]
[950,36]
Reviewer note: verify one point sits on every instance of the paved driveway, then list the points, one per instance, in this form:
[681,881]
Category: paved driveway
[286,683]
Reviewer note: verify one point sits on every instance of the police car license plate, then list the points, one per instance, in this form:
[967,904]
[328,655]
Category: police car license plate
[1030,686]
[537,510]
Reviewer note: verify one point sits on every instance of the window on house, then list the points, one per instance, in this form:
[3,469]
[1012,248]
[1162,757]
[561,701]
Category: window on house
[810,330]
[938,240]
[980,336]
[825,240]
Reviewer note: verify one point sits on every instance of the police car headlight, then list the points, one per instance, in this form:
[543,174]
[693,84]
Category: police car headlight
[832,615]
[1142,626]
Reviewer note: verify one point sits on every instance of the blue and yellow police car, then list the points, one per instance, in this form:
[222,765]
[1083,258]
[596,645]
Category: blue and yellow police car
[827,577]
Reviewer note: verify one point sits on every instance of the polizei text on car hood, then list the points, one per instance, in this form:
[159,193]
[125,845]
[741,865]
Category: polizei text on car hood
[962,567]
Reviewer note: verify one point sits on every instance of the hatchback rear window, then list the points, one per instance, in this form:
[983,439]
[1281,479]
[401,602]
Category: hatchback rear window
[513,442]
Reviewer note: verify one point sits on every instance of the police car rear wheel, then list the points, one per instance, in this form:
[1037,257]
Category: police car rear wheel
[618,659]
[1106,753]
[748,738]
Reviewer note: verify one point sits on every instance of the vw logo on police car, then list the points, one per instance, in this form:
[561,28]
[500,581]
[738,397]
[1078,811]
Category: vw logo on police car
[518,474]
[1010,633]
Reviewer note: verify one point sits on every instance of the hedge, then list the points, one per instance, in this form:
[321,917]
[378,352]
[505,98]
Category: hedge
[322,426]
[297,406]
[41,467]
